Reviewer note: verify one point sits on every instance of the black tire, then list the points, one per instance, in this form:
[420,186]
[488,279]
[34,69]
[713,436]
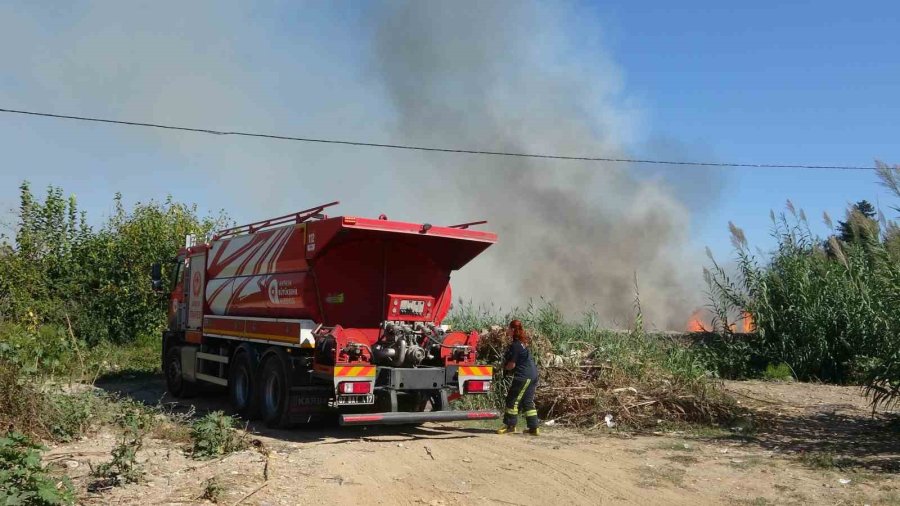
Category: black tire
[243,392]
[274,391]
[175,382]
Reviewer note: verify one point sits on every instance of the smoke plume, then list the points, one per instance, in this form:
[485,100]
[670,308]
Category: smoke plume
[494,75]
[503,76]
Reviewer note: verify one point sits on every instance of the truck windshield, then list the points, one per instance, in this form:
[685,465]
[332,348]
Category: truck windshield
[176,273]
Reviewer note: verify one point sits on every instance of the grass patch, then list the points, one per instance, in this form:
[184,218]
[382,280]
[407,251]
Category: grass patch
[756,501]
[779,372]
[679,446]
[685,460]
[745,462]
[657,476]
[137,358]
[824,460]
[818,460]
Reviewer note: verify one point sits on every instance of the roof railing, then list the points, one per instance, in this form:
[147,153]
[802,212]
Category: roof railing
[467,225]
[297,217]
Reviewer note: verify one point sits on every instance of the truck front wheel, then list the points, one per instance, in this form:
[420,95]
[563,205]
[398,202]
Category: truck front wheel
[274,391]
[242,389]
[175,382]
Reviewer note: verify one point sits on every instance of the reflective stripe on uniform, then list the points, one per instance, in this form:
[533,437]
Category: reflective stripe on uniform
[512,411]
[531,412]
[521,394]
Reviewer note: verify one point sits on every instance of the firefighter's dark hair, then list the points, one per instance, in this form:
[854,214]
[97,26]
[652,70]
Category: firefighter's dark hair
[518,332]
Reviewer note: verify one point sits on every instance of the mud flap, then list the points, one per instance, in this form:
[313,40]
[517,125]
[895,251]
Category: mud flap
[308,404]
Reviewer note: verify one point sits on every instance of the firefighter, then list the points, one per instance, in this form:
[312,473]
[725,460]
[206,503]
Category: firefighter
[519,361]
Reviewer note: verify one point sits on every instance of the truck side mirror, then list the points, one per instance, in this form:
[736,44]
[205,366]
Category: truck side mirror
[156,276]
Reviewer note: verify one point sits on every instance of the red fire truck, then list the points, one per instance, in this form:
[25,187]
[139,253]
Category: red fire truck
[305,316]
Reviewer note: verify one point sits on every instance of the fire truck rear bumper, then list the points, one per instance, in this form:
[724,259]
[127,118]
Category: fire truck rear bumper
[394,418]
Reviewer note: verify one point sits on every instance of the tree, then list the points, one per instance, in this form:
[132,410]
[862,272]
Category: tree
[60,271]
[860,226]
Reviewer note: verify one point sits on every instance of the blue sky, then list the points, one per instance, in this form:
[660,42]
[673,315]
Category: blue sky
[767,82]
[764,82]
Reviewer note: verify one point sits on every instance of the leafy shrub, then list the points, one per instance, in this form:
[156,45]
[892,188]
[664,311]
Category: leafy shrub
[44,349]
[136,421]
[729,357]
[215,435]
[779,372]
[22,478]
[22,405]
[71,415]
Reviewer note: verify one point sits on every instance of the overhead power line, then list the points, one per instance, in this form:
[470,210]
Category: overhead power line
[436,149]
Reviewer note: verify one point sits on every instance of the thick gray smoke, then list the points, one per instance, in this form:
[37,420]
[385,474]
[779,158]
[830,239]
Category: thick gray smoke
[503,76]
[491,74]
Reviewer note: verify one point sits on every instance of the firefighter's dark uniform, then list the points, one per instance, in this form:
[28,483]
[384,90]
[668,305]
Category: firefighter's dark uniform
[521,391]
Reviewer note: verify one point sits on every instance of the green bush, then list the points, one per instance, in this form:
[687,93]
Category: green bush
[45,349]
[729,356]
[779,372]
[215,435]
[22,478]
[58,270]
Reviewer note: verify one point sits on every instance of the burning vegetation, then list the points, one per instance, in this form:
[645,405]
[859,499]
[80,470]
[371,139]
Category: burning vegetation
[702,321]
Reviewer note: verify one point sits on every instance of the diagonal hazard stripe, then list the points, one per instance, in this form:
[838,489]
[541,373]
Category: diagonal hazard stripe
[476,370]
[354,371]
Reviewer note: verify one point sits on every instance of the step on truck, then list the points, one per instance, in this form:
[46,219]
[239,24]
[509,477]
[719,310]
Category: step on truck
[305,317]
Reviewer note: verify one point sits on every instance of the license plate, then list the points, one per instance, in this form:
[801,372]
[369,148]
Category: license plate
[344,400]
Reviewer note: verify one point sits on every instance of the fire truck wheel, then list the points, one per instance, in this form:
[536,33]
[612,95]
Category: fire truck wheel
[274,391]
[175,382]
[242,391]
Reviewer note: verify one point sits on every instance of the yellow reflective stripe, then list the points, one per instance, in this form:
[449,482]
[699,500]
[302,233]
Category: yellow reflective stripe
[531,412]
[512,411]
[476,370]
[521,394]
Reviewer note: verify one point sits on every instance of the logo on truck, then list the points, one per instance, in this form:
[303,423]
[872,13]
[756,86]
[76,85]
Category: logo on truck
[282,291]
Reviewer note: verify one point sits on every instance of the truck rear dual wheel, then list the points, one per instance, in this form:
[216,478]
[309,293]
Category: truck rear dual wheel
[274,390]
[242,386]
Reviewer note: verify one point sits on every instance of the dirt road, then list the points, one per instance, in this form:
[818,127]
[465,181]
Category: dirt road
[446,464]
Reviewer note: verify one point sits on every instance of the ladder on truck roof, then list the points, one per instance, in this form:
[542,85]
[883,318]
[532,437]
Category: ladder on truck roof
[296,217]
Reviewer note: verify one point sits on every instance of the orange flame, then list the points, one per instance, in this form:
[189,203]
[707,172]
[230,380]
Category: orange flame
[744,324]
[747,323]
[694,323]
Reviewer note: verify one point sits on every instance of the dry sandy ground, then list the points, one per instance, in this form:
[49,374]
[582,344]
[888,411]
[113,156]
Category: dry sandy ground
[446,464]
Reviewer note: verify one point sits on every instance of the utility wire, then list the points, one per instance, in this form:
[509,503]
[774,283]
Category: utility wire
[434,149]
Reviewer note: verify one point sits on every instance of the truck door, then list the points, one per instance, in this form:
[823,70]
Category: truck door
[196,289]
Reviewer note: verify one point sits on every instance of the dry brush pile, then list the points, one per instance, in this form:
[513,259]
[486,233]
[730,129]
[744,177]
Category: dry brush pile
[587,373]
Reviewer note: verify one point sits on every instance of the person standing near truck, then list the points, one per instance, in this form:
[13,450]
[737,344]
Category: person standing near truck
[520,362]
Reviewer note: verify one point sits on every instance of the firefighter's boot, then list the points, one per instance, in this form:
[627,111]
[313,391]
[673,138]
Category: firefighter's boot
[533,432]
[507,429]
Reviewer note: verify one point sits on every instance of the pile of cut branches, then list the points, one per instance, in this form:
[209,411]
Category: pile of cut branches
[641,380]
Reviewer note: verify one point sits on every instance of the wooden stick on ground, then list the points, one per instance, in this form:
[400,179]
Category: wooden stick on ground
[251,493]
